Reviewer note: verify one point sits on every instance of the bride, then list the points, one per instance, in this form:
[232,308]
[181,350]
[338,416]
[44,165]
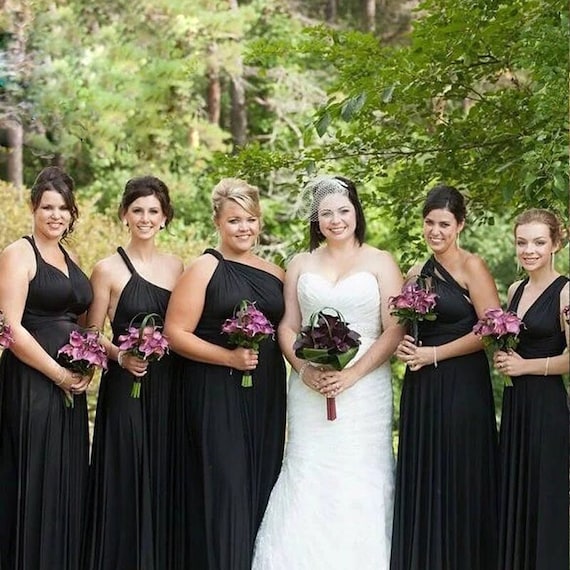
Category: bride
[332,504]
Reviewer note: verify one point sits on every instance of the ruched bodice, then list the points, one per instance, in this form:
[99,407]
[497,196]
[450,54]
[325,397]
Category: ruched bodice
[361,311]
[332,504]
[54,296]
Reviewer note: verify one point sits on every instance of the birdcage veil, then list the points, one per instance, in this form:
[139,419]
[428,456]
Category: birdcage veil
[307,204]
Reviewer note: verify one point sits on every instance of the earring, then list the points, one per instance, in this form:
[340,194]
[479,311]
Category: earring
[552,261]
[162,226]
[518,264]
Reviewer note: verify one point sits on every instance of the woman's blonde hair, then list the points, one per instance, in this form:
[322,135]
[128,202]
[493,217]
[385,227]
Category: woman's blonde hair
[237,191]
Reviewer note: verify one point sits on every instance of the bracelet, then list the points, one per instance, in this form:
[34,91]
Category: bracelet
[434,356]
[60,378]
[120,355]
[302,370]
[546,366]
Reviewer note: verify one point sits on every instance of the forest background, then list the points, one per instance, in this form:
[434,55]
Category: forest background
[395,94]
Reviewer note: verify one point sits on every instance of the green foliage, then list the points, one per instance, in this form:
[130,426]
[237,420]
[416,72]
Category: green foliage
[478,100]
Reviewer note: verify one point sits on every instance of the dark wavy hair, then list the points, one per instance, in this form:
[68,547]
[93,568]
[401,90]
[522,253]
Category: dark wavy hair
[54,179]
[442,197]
[141,186]
[315,235]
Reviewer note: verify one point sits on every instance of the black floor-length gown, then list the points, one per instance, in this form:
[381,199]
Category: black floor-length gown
[233,443]
[446,512]
[129,489]
[534,446]
[44,444]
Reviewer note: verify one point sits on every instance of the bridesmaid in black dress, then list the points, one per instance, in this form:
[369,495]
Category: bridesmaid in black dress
[232,444]
[534,424]
[445,514]
[43,443]
[129,488]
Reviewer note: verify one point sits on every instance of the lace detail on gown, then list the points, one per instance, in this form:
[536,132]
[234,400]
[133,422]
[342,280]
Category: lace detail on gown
[332,504]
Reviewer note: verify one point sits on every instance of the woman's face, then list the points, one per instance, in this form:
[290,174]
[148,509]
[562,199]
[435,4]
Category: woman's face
[144,217]
[441,230]
[337,217]
[238,228]
[534,246]
[52,216]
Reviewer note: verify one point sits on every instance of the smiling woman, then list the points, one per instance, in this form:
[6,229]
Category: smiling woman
[332,504]
[231,436]
[43,443]
[129,495]
[447,419]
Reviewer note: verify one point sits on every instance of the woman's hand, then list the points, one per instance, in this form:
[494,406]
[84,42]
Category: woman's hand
[73,382]
[415,357]
[135,365]
[334,382]
[312,376]
[510,363]
[244,359]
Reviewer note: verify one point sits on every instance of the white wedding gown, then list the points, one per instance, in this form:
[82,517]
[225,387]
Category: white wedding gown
[331,508]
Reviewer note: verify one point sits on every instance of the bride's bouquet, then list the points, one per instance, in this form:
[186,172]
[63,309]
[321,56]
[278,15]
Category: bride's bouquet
[327,341]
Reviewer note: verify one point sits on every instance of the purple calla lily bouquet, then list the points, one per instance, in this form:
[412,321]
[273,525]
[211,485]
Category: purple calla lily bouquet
[327,341]
[6,337]
[247,328]
[83,353]
[499,330]
[415,303]
[145,342]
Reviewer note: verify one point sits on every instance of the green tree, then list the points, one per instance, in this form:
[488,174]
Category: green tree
[477,99]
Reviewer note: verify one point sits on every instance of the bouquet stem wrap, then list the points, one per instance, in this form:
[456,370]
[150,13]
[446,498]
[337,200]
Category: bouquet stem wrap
[327,341]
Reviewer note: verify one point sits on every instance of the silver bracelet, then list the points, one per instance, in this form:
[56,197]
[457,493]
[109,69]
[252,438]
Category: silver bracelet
[120,355]
[302,370]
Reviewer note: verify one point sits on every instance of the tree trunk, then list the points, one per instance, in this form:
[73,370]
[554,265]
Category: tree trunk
[331,11]
[368,15]
[15,164]
[214,93]
[238,113]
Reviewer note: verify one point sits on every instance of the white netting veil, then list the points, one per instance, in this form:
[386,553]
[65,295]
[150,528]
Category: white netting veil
[307,204]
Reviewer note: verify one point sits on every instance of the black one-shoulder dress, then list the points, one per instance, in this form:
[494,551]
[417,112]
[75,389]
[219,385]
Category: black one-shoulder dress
[129,506]
[231,451]
[446,511]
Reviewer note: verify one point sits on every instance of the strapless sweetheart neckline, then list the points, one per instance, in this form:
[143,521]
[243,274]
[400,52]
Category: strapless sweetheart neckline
[340,280]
